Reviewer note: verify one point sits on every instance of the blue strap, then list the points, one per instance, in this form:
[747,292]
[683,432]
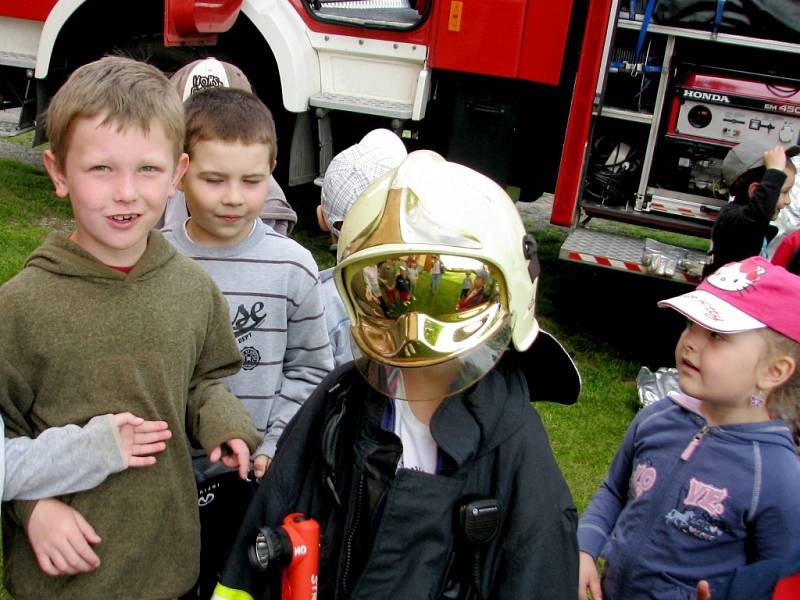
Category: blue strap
[718,15]
[648,14]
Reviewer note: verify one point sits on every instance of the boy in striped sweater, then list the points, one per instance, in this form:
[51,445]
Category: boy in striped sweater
[270,281]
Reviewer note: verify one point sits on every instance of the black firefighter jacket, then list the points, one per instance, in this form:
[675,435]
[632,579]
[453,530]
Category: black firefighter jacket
[394,535]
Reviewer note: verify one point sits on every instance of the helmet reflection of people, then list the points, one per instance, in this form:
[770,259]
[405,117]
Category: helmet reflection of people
[453,222]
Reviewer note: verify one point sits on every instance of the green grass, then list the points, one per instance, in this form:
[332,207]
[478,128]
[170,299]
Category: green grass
[606,319]
[28,211]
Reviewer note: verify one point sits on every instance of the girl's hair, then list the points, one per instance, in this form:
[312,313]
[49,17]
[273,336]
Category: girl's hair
[740,189]
[127,92]
[784,401]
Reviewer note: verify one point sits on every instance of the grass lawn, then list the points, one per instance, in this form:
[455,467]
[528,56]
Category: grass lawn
[607,320]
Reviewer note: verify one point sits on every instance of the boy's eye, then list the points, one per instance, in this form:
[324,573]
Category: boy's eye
[150,169]
[100,168]
[253,181]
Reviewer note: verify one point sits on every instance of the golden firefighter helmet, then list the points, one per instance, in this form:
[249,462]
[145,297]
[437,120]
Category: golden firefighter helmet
[437,275]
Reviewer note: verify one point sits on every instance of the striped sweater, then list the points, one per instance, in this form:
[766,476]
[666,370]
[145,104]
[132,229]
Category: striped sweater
[272,287]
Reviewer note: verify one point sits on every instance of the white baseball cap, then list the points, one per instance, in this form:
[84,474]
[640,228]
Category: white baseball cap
[207,73]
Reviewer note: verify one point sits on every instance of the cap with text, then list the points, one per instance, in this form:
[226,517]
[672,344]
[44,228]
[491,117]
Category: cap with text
[743,296]
[208,73]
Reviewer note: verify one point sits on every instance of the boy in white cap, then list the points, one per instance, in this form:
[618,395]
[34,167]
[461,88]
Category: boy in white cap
[706,480]
[209,73]
[348,175]
[759,178]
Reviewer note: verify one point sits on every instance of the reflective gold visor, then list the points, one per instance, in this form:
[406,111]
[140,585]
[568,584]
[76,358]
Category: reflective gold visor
[421,309]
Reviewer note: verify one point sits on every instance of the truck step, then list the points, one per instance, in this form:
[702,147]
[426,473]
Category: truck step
[360,104]
[17,59]
[623,253]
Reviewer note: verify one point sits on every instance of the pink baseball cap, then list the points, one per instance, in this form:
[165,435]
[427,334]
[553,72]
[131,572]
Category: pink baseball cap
[743,296]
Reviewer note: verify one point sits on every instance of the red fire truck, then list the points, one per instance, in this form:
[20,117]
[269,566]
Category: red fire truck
[624,117]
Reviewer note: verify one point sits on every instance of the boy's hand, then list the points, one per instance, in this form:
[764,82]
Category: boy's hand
[588,578]
[703,590]
[261,465]
[775,158]
[237,455]
[141,439]
[60,538]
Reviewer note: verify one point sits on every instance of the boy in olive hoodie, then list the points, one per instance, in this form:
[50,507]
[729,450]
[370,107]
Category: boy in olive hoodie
[111,318]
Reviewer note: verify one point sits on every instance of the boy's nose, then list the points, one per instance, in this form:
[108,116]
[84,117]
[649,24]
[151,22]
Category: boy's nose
[233,197]
[125,190]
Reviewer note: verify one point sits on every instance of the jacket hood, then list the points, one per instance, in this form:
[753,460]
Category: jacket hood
[61,256]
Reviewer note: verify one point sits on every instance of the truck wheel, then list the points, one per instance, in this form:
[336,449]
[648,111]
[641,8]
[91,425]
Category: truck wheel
[150,49]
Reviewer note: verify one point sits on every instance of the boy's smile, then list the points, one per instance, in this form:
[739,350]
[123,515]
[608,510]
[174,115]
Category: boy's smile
[118,182]
[225,187]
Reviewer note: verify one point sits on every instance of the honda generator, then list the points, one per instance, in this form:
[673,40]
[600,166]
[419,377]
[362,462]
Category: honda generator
[712,112]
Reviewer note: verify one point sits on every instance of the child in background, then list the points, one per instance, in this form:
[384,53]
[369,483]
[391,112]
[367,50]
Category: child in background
[429,435]
[412,271]
[210,73]
[109,319]
[466,286]
[347,176]
[706,480]
[759,179]
[269,280]
[788,219]
[788,253]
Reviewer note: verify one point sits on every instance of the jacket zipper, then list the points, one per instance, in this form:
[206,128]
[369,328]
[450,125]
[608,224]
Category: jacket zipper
[351,536]
[694,443]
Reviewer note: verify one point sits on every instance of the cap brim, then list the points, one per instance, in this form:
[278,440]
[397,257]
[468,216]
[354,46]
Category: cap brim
[549,370]
[712,313]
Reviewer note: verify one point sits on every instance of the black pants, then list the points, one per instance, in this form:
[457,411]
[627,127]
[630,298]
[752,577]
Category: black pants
[222,502]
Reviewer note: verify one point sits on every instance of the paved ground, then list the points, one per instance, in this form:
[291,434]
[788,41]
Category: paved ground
[21,153]
[12,150]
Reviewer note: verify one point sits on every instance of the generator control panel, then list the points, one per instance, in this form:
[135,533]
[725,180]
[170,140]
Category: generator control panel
[725,110]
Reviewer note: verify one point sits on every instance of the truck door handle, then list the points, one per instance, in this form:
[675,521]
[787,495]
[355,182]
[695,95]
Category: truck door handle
[488,109]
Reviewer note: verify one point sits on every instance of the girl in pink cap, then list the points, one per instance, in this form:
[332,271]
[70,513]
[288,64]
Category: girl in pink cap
[707,480]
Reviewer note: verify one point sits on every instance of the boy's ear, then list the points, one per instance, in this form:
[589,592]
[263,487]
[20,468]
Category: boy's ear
[180,170]
[751,189]
[274,163]
[776,372]
[56,173]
